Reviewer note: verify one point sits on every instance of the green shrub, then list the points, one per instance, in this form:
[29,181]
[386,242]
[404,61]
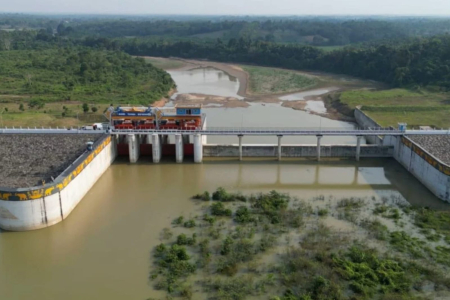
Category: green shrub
[243,215]
[190,223]
[322,212]
[182,239]
[211,220]
[218,209]
[205,196]
[178,221]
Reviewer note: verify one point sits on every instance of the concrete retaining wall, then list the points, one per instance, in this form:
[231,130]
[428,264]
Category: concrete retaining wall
[39,207]
[365,121]
[429,170]
[296,151]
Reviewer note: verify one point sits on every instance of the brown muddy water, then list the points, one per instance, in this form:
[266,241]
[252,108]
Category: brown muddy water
[208,81]
[103,249]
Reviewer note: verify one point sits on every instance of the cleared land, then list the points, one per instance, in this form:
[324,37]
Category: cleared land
[55,114]
[264,81]
[389,107]
[438,145]
[27,160]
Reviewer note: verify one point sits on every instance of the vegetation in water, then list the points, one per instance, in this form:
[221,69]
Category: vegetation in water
[308,259]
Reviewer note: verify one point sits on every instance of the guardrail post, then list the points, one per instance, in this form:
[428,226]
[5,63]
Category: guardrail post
[319,137]
[240,146]
[279,147]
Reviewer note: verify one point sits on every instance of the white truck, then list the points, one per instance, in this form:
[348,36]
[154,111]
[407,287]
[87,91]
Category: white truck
[95,126]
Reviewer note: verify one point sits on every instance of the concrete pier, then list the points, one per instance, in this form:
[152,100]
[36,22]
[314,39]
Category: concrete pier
[319,137]
[240,146]
[148,139]
[134,147]
[179,148]
[156,148]
[358,147]
[279,147]
[198,148]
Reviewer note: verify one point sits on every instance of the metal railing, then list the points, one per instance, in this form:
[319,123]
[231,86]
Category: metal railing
[325,131]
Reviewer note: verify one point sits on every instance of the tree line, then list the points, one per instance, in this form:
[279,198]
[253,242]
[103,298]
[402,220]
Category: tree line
[411,62]
[416,62]
[324,31]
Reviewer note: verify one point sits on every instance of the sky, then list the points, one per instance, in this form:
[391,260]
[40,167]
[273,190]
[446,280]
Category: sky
[232,7]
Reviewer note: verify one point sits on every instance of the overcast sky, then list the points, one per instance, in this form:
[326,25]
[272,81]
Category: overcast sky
[232,7]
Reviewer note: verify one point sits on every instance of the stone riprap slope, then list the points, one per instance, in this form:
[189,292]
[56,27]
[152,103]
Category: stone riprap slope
[437,145]
[28,159]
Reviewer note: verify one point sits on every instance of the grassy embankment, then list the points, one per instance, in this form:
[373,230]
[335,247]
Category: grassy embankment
[272,246]
[50,87]
[164,63]
[265,81]
[390,107]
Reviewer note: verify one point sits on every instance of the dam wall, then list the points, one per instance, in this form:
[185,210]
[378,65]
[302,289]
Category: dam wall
[43,206]
[365,121]
[297,151]
[428,169]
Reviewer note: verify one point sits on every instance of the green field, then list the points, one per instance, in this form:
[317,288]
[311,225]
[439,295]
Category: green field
[265,81]
[62,114]
[389,107]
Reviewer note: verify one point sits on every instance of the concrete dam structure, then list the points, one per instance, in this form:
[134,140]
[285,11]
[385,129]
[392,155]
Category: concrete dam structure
[42,206]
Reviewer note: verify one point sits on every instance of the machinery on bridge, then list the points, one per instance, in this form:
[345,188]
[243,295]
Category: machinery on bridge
[180,117]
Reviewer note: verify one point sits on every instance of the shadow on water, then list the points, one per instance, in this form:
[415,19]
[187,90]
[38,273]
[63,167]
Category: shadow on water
[382,176]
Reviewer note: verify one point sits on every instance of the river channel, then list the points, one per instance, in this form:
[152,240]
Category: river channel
[103,249]
[211,81]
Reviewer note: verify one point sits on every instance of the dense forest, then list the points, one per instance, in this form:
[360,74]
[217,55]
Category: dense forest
[81,74]
[320,31]
[328,32]
[417,62]
[400,52]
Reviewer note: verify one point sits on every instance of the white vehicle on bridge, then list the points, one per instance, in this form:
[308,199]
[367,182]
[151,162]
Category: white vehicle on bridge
[95,126]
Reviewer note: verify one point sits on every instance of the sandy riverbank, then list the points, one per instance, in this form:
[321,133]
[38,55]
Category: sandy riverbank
[335,84]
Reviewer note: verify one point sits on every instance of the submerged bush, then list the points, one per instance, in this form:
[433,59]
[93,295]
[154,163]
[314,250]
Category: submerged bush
[189,224]
[271,205]
[243,215]
[182,239]
[205,196]
[218,209]
[367,272]
[178,221]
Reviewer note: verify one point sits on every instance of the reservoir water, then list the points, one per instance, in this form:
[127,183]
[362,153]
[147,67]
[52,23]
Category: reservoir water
[211,81]
[208,81]
[103,249]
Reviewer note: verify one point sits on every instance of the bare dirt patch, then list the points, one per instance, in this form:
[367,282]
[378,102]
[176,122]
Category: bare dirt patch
[28,159]
[209,99]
